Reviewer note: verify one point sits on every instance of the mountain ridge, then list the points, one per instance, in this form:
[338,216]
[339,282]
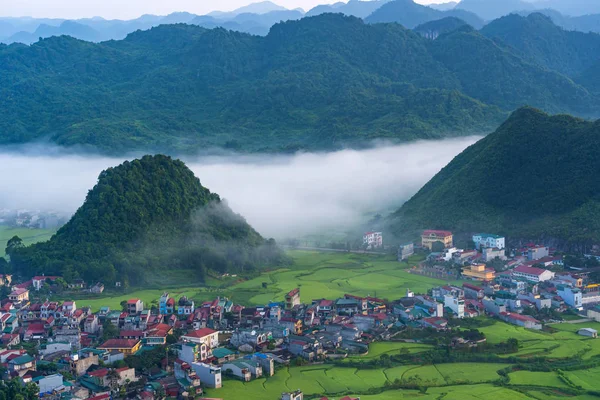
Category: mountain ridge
[529,180]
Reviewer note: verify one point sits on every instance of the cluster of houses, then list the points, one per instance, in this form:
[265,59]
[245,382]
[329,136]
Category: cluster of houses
[209,341]
[45,341]
[527,282]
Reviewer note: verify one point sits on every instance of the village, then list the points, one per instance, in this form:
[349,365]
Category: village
[178,348]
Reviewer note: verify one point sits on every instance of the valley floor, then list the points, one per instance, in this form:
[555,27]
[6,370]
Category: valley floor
[476,380]
[317,274]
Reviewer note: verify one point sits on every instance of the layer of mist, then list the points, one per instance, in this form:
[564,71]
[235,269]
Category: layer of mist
[280,196]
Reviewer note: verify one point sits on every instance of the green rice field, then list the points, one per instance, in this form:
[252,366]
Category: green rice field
[29,236]
[318,275]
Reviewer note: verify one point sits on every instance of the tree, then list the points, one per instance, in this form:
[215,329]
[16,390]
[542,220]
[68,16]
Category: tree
[171,339]
[123,305]
[109,331]
[14,244]
[4,266]
[437,247]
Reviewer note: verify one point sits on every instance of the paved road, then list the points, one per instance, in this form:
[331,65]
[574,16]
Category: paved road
[579,321]
[332,250]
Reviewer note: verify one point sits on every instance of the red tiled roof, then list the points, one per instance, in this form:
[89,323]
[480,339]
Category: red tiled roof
[99,373]
[200,333]
[472,287]
[119,344]
[43,278]
[105,396]
[437,233]
[529,270]
[132,301]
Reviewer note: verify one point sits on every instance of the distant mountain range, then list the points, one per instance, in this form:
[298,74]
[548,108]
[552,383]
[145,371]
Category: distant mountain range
[258,18]
[317,83]
[531,179]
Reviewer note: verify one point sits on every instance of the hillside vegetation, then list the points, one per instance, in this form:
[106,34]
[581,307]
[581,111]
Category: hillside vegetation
[319,83]
[142,219]
[539,40]
[533,177]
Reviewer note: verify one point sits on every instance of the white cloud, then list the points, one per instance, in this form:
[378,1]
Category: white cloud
[280,196]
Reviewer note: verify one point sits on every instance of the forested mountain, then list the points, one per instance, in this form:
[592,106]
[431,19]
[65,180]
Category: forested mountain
[318,83]
[495,75]
[584,23]
[142,219]
[410,14]
[433,29]
[534,177]
[255,24]
[68,28]
[538,39]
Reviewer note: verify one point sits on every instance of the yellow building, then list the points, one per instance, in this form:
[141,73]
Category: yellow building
[479,272]
[126,346]
[428,238]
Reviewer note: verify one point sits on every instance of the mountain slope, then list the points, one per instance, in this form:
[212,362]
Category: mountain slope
[69,28]
[533,177]
[496,75]
[319,83]
[144,217]
[410,14]
[538,39]
[433,29]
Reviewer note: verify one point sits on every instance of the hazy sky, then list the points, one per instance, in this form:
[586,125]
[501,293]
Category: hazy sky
[127,9]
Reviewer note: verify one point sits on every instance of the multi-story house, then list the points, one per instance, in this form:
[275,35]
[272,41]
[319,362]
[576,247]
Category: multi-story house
[205,336]
[373,240]
[135,306]
[91,324]
[429,237]
[487,240]
[185,306]
[292,299]
[166,304]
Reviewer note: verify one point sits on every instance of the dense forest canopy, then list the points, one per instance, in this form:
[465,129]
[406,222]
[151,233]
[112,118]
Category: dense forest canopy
[322,82]
[534,177]
[144,218]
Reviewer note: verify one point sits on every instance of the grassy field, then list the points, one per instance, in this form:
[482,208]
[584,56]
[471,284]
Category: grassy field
[332,275]
[318,275]
[29,236]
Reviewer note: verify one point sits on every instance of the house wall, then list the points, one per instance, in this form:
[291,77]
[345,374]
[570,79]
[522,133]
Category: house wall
[209,375]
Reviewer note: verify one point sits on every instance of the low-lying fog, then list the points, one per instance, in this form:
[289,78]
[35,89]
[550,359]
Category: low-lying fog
[281,196]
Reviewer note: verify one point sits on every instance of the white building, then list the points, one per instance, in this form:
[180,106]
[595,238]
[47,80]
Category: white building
[209,375]
[50,383]
[532,274]
[537,252]
[572,296]
[448,253]
[589,332]
[487,240]
[297,395]
[455,304]
[205,336]
[373,240]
